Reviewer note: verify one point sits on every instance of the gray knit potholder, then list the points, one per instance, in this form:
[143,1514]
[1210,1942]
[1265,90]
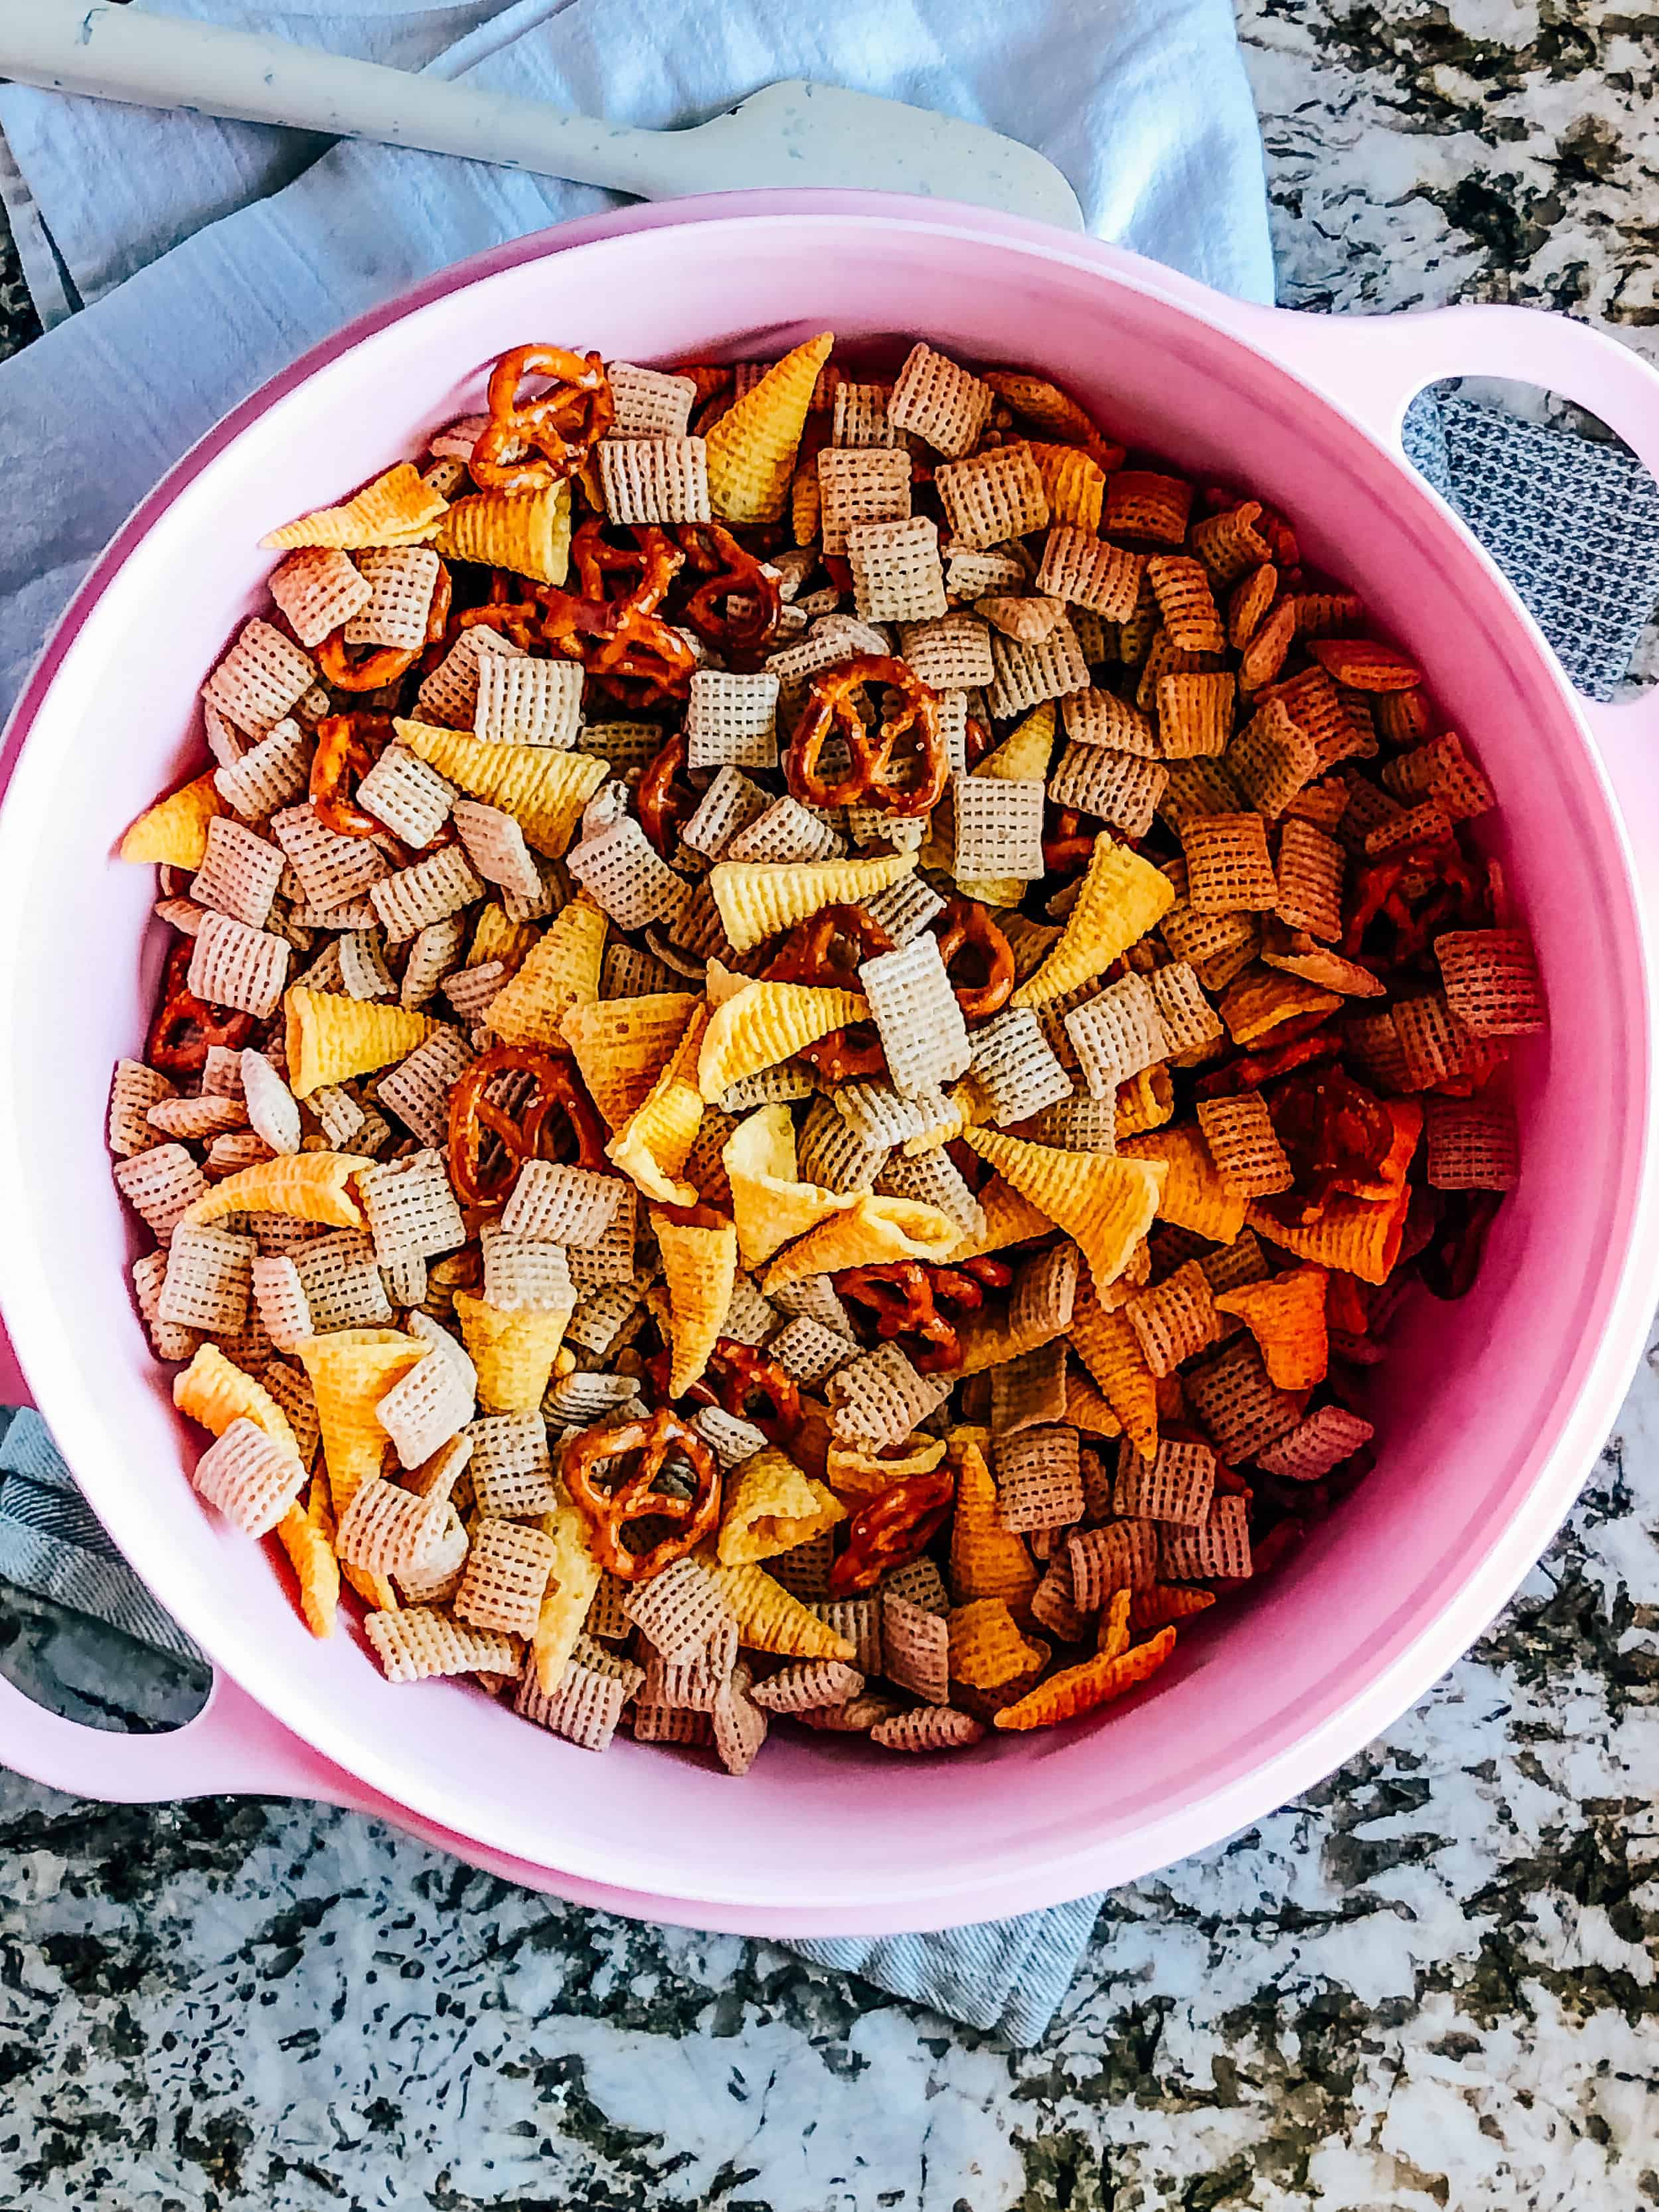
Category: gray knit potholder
[1572,522]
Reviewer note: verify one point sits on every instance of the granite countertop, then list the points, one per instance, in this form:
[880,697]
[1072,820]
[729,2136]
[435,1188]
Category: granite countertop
[1428,1984]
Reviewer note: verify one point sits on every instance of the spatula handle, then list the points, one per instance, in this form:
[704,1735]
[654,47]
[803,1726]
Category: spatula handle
[126,54]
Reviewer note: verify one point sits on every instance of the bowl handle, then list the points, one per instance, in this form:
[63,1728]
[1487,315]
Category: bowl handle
[233,1747]
[1374,366]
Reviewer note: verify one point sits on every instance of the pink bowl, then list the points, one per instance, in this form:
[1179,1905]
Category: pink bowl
[1495,1407]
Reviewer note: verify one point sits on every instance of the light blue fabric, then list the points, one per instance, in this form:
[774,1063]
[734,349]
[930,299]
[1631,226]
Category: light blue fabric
[178,262]
[1005,1975]
[51,1542]
[213,253]
[1008,1975]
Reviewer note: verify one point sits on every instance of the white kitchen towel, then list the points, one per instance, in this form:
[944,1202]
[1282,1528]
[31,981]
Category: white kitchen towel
[178,262]
[199,288]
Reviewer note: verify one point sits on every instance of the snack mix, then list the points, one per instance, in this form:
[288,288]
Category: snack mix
[813,1022]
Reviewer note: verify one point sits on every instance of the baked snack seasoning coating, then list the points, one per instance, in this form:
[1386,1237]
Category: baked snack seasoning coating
[815,1022]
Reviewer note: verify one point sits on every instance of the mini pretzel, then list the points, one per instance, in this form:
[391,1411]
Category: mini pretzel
[740,1374]
[695,1216]
[437,614]
[380,666]
[384,664]
[185,1028]
[737,1372]
[827,949]
[846,1054]
[1255,1069]
[633,1495]
[976,741]
[1334,1133]
[964,1283]
[665,803]
[1068,847]
[732,572]
[520,620]
[347,745]
[527,1132]
[1381,890]
[652,553]
[908,788]
[966,926]
[900,1296]
[645,660]
[624,643]
[563,425]
[895,1526]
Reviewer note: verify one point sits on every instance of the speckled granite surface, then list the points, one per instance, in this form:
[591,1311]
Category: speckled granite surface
[1429,1983]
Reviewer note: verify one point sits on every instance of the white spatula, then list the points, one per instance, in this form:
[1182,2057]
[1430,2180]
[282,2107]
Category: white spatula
[794,133]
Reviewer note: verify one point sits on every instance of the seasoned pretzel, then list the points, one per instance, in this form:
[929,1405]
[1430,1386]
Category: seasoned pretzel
[652,557]
[875,777]
[517,619]
[737,1373]
[895,1526]
[967,927]
[527,1131]
[347,745]
[1420,892]
[731,572]
[506,611]
[900,1298]
[665,803]
[846,1055]
[695,1217]
[1287,554]
[380,666]
[827,949]
[623,643]
[437,614]
[740,1373]
[1068,847]
[610,1505]
[185,1028]
[563,425]
[340,668]
[641,660]
[1336,1135]
[963,1283]
[1255,1069]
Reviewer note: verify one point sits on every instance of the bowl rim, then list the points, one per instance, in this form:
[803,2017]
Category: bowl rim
[1305,1754]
